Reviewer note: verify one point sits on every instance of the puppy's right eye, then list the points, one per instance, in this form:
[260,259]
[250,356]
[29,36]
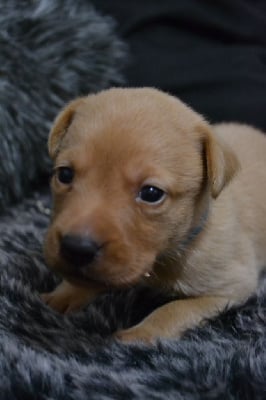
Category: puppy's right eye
[65,175]
[151,194]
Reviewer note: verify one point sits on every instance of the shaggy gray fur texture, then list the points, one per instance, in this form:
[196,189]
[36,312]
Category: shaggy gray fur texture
[50,52]
[45,355]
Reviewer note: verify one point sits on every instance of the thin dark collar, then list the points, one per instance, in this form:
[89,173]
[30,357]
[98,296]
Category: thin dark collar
[196,230]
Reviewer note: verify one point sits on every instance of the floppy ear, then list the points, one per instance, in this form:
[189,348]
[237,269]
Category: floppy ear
[221,162]
[60,126]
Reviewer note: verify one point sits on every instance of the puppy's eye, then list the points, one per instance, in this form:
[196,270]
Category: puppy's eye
[65,175]
[151,194]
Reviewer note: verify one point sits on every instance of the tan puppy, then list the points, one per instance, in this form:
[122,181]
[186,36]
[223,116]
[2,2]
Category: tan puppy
[145,189]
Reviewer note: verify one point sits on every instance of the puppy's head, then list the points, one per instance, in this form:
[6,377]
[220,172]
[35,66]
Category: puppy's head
[130,170]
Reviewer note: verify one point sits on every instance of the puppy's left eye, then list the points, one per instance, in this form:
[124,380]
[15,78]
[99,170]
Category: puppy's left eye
[65,175]
[151,194]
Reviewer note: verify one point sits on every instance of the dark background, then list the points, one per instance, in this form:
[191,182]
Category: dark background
[211,54]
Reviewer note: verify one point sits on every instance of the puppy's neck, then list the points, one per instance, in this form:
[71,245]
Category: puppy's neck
[168,267]
[197,228]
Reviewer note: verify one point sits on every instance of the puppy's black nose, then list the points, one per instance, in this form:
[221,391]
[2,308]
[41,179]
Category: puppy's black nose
[79,250]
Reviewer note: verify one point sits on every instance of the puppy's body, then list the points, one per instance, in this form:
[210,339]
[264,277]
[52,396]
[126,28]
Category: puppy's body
[205,239]
[232,245]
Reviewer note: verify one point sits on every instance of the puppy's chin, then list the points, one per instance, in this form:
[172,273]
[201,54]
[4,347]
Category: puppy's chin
[103,273]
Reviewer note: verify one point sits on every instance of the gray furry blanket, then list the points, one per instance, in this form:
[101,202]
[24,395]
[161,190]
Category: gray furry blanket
[45,355]
[51,51]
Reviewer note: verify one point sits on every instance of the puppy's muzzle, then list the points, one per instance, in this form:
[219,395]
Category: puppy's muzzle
[79,250]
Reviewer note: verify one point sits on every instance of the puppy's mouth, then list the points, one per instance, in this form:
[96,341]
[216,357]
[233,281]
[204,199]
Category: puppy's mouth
[115,270]
[82,279]
[84,275]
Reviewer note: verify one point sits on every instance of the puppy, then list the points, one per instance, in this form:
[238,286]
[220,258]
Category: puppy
[145,190]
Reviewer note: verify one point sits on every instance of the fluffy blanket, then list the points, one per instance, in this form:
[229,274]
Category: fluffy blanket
[52,50]
[45,355]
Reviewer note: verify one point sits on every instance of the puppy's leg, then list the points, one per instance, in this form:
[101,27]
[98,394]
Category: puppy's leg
[172,319]
[67,297]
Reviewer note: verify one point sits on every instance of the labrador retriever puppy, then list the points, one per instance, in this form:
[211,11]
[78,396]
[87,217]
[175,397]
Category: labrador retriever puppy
[145,190]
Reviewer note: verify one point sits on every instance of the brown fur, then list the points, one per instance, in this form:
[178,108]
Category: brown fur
[121,139]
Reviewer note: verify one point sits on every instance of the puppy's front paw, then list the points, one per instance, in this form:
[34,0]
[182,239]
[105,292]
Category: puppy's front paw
[66,297]
[62,302]
[52,300]
[136,334]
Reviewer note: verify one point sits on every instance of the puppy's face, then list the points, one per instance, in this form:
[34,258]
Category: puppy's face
[130,167]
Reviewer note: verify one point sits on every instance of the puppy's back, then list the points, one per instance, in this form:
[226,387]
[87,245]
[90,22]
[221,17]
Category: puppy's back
[249,186]
[248,143]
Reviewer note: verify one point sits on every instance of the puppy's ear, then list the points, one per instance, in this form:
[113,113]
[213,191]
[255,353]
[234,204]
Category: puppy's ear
[60,126]
[221,162]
